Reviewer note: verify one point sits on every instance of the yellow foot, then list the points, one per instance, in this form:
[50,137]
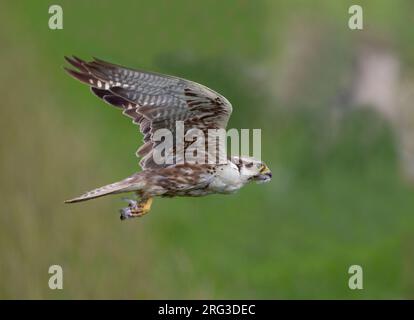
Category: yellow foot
[136,209]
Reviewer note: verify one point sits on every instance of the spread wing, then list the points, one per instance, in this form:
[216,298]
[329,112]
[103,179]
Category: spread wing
[153,101]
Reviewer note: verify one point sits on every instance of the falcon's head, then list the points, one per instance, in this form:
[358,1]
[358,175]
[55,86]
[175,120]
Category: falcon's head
[252,170]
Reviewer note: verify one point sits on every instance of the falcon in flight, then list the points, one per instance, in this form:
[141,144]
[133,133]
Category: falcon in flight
[155,101]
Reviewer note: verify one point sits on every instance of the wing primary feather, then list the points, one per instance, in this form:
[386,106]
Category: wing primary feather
[77,63]
[100,93]
[115,100]
[82,77]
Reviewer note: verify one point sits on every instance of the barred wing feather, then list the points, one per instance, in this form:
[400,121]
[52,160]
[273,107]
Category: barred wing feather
[153,101]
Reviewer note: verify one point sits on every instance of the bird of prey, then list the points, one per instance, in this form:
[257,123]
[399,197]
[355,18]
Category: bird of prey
[155,101]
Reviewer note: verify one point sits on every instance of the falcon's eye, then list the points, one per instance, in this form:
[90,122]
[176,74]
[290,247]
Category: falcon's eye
[249,165]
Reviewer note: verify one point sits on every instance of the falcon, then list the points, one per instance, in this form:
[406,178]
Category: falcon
[154,102]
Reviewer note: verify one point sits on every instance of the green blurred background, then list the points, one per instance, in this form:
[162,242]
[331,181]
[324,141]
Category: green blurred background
[335,109]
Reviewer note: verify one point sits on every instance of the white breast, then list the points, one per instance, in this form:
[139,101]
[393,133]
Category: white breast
[227,179]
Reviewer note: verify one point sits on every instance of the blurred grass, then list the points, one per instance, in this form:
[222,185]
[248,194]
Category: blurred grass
[336,198]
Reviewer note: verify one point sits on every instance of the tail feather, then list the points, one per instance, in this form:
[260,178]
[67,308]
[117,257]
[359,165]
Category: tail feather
[113,188]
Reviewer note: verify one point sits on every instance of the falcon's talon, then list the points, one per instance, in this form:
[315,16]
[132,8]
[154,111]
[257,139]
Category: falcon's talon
[125,213]
[136,209]
[131,203]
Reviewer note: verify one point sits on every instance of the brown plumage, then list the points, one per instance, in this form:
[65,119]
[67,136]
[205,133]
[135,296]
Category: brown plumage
[155,101]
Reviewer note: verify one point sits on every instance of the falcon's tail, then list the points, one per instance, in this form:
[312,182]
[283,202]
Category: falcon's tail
[126,185]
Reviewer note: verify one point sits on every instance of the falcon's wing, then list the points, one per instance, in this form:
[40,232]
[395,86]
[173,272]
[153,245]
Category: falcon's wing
[153,101]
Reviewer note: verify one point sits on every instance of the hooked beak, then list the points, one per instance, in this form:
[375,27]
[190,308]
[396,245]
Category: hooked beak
[264,176]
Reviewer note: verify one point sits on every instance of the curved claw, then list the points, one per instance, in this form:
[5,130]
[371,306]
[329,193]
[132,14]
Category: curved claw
[125,213]
[131,203]
[136,209]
